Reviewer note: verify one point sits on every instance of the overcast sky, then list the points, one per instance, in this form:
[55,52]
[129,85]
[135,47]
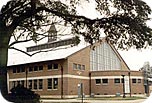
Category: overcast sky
[134,58]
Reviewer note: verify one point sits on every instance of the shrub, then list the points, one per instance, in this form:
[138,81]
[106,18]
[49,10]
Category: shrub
[20,94]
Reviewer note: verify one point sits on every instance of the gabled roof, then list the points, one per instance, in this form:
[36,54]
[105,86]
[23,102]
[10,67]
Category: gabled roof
[62,52]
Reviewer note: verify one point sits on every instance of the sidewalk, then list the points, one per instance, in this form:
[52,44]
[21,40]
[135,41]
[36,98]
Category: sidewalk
[91,101]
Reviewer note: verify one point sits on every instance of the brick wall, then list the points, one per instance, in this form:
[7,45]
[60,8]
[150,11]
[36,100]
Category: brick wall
[112,88]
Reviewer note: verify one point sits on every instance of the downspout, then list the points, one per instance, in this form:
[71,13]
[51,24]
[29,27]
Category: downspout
[61,82]
[129,82]
[90,83]
[26,73]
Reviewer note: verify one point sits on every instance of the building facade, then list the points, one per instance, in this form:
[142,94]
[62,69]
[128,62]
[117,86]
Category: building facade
[63,73]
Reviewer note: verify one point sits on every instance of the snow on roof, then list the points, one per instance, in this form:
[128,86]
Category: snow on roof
[17,58]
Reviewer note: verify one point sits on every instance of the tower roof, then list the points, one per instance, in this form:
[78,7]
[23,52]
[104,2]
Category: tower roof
[52,28]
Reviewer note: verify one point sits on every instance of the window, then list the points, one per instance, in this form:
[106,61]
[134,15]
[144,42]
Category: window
[35,84]
[30,84]
[50,66]
[40,67]
[35,68]
[55,66]
[13,84]
[55,83]
[30,69]
[14,70]
[40,84]
[79,67]
[104,53]
[50,45]
[105,81]
[133,80]
[98,81]
[49,83]
[22,82]
[18,83]
[74,66]
[18,70]
[23,69]
[83,67]
[117,80]
[139,80]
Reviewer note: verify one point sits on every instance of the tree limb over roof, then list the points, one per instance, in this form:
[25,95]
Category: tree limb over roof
[125,26]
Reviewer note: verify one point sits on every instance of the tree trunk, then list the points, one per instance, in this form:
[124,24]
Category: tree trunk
[5,35]
[3,71]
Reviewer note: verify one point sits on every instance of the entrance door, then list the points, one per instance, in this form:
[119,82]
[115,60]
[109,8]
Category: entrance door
[80,89]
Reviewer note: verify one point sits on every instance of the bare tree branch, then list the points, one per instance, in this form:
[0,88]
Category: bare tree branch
[20,50]
[15,42]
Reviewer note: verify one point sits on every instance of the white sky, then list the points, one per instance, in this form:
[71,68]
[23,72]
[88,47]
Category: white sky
[134,58]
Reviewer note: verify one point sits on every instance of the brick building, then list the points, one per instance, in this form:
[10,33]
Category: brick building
[60,72]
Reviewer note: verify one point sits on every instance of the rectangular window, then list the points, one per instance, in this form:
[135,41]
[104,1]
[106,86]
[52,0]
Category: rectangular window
[139,80]
[30,69]
[18,83]
[105,81]
[35,84]
[40,84]
[18,70]
[50,66]
[98,81]
[49,83]
[14,70]
[13,84]
[116,80]
[55,66]
[133,80]
[35,68]
[79,67]
[40,67]
[22,82]
[74,66]
[30,84]
[23,69]
[55,83]
[83,67]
